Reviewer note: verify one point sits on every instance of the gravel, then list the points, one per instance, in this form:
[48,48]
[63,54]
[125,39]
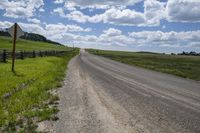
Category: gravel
[104,96]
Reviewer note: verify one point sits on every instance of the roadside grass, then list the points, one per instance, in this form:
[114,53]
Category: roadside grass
[21,44]
[183,66]
[26,95]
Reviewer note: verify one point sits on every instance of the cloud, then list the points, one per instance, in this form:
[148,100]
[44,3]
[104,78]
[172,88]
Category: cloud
[60,11]
[113,37]
[92,40]
[112,32]
[20,8]
[58,1]
[33,28]
[100,4]
[171,39]
[116,12]
[154,11]
[33,20]
[112,16]
[5,24]
[183,10]
[56,32]
[51,31]
[123,17]
[189,39]
[41,10]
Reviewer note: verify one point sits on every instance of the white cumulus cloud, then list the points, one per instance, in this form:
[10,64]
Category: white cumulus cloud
[58,1]
[5,24]
[100,4]
[20,8]
[183,10]
[154,11]
[112,32]
[33,20]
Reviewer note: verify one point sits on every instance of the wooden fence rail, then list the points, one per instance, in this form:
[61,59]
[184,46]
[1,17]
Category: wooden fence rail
[5,55]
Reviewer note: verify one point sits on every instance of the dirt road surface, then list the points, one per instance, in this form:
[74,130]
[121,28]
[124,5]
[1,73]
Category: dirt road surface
[104,96]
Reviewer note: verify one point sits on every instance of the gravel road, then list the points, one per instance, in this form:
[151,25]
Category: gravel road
[104,96]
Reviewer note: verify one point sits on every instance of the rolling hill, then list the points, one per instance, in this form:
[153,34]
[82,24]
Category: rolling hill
[27,45]
[31,37]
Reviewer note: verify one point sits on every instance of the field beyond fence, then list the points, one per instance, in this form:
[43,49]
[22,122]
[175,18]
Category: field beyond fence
[5,55]
[180,65]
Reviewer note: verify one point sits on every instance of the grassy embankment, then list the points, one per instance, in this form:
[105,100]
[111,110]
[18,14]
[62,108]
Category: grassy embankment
[6,43]
[183,66]
[26,96]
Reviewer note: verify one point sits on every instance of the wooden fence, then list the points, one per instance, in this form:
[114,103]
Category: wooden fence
[5,55]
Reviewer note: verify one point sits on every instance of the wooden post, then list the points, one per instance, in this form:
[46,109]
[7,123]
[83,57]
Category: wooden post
[34,54]
[21,55]
[40,53]
[4,56]
[14,47]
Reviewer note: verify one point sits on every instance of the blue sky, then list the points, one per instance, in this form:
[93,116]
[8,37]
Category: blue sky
[133,25]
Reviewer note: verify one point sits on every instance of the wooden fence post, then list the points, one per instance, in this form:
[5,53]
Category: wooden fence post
[34,54]
[21,55]
[4,56]
[40,53]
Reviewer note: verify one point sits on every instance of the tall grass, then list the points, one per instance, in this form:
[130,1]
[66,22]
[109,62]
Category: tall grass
[183,66]
[24,93]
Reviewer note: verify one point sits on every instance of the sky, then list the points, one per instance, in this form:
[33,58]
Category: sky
[130,25]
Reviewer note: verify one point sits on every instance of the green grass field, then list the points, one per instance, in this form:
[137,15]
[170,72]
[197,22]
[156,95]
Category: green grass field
[6,43]
[183,66]
[26,95]
[28,90]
